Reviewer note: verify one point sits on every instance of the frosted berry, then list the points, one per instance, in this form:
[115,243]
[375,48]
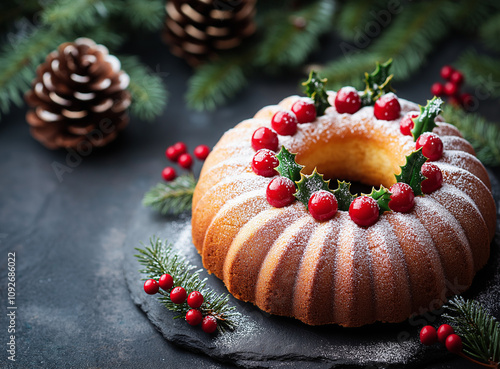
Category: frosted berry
[446,72]
[168,174]
[402,197]
[209,324]
[457,78]
[434,177]
[450,89]
[263,163]
[201,152]
[279,192]
[194,317]
[431,144]
[437,89]
[172,154]
[428,335]
[407,124]
[322,205]
[265,138]
[387,107]
[166,282]
[364,211]
[454,344]
[304,110]
[178,295]
[284,123]
[195,299]
[347,100]
[151,287]
[185,161]
[444,331]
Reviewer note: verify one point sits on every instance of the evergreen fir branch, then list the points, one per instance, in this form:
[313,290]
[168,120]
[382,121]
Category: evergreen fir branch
[481,71]
[286,44]
[490,32]
[159,258]
[353,15]
[215,82]
[149,95]
[479,330]
[150,17]
[68,14]
[483,135]
[174,197]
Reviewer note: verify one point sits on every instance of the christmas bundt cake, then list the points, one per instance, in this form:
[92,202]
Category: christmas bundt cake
[282,236]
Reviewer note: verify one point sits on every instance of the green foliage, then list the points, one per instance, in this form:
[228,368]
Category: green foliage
[288,166]
[315,89]
[479,330]
[343,195]
[411,172]
[150,17]
[147,89]
[425,122]
[351,18]
[382,196]
[483,135]
[310,184]
[159,258]
[482,72]
[171,198]
[377,83]
[490,32]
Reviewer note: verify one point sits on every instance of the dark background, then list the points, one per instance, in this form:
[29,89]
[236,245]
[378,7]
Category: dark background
[73,305]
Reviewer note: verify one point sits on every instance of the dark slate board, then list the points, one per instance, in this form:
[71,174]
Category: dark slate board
[264,341]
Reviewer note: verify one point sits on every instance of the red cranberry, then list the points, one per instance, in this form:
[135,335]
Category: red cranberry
[168,174]
[402,198]
[151,287]
[304,110]
[444,331]
[209,324]
[194,317]
[322,205]
[364,211]
[431,144]
[454,344]
[279,192]
[185,161]
[347,100]
[284,123]
[387,107]
[457,78]
[178,295]
[166,282]
[437,89]
[450,89]
[428,335]
[201,152]
[195,299]
[446,72]
[407,124]
[434,177]
[265,138]
[263,163]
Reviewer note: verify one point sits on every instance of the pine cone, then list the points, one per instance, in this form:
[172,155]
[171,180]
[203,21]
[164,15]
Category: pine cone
[197,29]
[78,95]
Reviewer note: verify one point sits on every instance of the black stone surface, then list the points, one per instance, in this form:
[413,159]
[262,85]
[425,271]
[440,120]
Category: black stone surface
[73,235]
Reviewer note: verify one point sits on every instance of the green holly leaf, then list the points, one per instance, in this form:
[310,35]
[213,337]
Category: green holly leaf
[309,184]
[343,195]
[425,122]
[382,197]
[288,166]
[377,83]
[315,89]
[411,172]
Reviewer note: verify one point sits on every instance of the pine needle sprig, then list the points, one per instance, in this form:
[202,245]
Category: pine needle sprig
[479,330]
[484,136]
[172,198]
[353,15]
[149,94]
[158,258]
[65,15]
[481,71]
[148,17]
[490,32]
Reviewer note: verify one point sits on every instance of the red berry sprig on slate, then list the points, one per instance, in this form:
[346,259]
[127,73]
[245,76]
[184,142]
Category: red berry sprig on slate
[279,192]
[431,144]
[402,197]
[265,138]
[194,317]
[364,211]
[264,163]
[178,295]
[195,299]
[168,174]
[166,282]
[151,287]
[173,152]
[322,205]
[284,123]
[304,110]
[407,124]
[347,100]
[209,324]
[434,177]
[201,152]
[387,107]
[428,335]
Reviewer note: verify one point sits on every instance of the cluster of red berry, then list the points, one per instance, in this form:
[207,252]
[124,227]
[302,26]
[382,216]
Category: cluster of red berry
[445,334]
[348,101]
[451,88]
[177,153]
[178,295]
